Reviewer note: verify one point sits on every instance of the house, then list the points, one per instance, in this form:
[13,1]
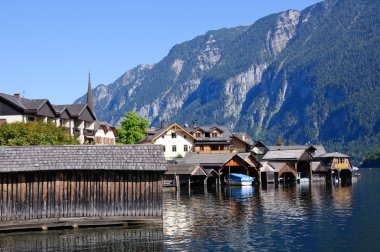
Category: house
[105,133]
[52,186]
[14,108]
[78,119]
[241,142]
[176,140]
[211,139]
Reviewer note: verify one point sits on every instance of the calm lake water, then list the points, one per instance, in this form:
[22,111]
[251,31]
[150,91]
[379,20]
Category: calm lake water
[294,218]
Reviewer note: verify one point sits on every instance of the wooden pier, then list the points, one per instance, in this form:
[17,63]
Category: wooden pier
[50,186]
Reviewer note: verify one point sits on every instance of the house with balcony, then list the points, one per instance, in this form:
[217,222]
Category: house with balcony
[176,140]
[14,108]
[211,139]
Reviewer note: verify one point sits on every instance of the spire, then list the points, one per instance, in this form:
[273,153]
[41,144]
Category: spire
[89,95]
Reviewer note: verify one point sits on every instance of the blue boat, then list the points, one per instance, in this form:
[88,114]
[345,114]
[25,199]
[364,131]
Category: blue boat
[239,179]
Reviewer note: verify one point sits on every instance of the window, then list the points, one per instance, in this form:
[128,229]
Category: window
[174,148]
[214,134]
[185,148]
[163,136]
[197,134]
[207,134]
[184,136]
[202,147]
[174,135]
[164,148]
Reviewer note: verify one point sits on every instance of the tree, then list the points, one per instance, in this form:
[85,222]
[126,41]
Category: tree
[34,133]
[132,128]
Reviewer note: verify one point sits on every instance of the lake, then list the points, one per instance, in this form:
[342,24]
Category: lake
[320,217]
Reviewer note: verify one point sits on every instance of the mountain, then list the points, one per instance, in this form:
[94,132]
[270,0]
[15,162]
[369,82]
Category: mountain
[308,76]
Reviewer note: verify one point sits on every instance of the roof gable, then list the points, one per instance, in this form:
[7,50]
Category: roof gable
[164,130]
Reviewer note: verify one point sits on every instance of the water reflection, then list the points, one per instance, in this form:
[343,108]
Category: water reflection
[273,217]
[307,217]
[87,239]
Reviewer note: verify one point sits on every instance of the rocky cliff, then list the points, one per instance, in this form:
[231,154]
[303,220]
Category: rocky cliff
[308,76]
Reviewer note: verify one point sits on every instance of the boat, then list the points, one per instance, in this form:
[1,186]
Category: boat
[304,180]
[239,179]
[355,168]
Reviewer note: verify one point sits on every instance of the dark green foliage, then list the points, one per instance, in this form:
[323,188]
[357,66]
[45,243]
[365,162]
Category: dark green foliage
[373,160]
[34,133]
[132,128]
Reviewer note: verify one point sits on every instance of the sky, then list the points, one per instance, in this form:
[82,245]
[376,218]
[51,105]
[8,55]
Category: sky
[47,48]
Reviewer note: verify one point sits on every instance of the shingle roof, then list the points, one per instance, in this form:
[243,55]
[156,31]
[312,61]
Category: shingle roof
[284,154]
[154,133]
[288,147]
[33,104]
[82,157]
[243,136]
[193,158]
[26,104]
[59,108]
[318,166]
[333,155]
[12,99]
[75,109]
[183,169]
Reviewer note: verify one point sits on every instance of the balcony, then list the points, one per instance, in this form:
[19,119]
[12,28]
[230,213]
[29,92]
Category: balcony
[88,132]
[76,132]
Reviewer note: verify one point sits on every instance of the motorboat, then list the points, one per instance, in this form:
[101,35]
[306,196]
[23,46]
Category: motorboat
[239,179]
[304,180]
[355,168]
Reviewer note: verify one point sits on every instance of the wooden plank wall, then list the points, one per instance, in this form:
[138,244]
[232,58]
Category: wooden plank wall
[60,194]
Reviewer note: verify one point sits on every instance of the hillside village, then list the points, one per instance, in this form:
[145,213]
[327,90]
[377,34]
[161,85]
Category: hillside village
[207,154]
[195,153]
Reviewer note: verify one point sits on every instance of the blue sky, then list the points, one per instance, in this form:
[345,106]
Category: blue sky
[47,47]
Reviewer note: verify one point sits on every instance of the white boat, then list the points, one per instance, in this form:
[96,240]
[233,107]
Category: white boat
[304,180]
[239,179]
[355,168]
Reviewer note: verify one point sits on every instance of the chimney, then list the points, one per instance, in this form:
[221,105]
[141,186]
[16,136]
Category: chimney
[18,96]
[162,124]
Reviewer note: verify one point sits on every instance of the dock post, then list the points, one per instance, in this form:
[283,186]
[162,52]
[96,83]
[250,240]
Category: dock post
[177,185]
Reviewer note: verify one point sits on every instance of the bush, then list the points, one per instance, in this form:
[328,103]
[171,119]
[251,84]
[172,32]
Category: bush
[34,133]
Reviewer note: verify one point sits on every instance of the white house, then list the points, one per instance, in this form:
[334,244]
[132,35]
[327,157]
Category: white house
[176,140]
[105,133]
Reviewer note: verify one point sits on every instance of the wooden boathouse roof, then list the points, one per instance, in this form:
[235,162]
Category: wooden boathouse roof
[186,169]
[82,157]
[299,154]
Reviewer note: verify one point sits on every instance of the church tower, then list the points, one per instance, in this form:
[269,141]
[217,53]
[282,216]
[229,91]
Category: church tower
[89,95]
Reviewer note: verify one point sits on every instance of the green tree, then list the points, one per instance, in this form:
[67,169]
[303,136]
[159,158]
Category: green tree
[132,128]
[34,133]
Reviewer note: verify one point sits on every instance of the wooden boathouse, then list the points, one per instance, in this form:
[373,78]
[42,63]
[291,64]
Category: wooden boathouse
[50,186]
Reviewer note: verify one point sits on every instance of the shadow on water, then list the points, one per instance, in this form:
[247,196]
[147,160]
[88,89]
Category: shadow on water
[86,239]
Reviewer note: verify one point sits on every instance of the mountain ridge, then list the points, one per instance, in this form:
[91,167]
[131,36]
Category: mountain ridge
[302,75]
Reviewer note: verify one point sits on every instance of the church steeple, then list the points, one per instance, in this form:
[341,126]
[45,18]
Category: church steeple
[89,95]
